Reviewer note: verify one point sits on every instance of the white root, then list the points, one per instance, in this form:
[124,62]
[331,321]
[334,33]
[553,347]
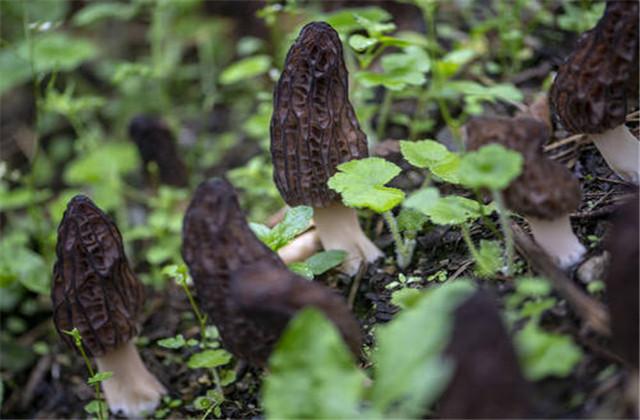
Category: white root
[300,248]
[556,237]
[132,390]
[338,228]
[621,150]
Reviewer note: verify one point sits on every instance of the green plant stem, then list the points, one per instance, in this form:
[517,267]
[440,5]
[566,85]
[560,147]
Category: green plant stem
[485,219]
[421,106]
[87,362]
[506,229]
[383,114]
[202,319]
[404,250]
[466,235]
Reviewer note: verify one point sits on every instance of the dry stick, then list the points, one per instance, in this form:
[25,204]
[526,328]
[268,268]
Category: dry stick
[592,312]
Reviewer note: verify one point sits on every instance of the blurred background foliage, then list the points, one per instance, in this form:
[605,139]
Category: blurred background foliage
[74,74]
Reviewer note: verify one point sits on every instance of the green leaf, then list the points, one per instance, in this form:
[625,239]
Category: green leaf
[313,374]
[449,210]
[172,342]
[245,69]
[545,354]
[21,264]
[322,262]
[533,286]
[410,371]
[400,69]
[361,184]
[21,197]
[344,20]
[51,51]
[360,43]
[406,297]
[492,166]
[489,258]
[296,221]
[92,13]
[375,28]
[434,156]
[97,406]
[411,220]
[99,377]
[209,359]
[301,269]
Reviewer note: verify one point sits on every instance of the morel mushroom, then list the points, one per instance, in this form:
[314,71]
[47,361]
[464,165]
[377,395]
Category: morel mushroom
[591,90]
[243,285]
[487,381]
[544,193]
[622,281]
[156,144]
[95,291]
[314,129]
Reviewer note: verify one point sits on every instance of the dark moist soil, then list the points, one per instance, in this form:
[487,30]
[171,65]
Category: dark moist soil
[54,387]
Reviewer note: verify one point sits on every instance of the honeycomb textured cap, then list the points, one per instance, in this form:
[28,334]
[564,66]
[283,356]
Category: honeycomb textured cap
[216,242]
[156,143]
[94,288]
[313,127]
[270,296]
[592,88]
[545,189]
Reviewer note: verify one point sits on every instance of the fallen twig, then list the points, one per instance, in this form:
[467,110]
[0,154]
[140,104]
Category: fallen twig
[592,312]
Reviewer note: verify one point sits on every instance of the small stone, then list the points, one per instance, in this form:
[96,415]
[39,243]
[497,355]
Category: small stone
[594,268]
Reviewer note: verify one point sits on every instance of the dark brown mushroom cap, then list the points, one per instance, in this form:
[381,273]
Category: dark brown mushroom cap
[94,289]
[223,254]
[156,143]
[270,296]
[545,189]
[591,90]
[313,127]
[622,281]
[487,381]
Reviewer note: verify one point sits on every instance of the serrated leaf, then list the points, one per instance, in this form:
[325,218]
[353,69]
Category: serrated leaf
[296,221]
[411,220]
[400,69]
[361,184]
[209,359]
[434,156]
[344,20]
[492,166]
[312,372]
[245,69]
[449,210]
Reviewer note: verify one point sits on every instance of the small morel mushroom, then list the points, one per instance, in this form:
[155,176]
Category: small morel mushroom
[243,285]
[95,291]
[594,84]
[487,381]
[544,193]
[622,281]
[156,144]
[314,129]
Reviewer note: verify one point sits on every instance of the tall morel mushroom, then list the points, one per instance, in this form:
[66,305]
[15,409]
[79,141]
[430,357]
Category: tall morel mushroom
[487,381]
[156,144]
[243,285]
[544,193]
[314,129]
[594,85]
[95,291]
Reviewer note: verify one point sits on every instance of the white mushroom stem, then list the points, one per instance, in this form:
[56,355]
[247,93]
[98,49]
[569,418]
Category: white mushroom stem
[300,248]
[621,150]
[132,390]
[556,237]
[338,228]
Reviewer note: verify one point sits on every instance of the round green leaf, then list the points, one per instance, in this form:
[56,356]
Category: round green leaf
[491,166]
[361,184]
